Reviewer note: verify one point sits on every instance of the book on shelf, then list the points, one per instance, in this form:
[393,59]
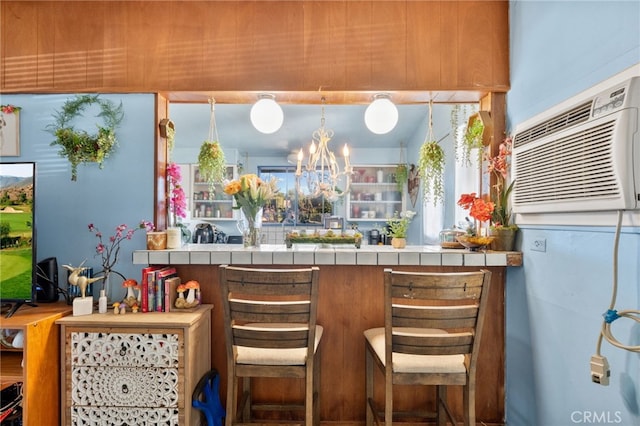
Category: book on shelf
[171,292]
[147,288]
[161,276]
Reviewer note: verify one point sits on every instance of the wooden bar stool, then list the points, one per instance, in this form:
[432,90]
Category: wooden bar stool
[271,331]
[431,335]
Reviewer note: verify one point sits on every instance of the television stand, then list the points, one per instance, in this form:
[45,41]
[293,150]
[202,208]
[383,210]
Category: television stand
[15,306]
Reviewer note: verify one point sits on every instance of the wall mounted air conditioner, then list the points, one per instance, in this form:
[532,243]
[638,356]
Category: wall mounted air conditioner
[584,158]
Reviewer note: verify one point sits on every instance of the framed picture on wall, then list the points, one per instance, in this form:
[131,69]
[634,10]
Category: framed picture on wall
[9,131]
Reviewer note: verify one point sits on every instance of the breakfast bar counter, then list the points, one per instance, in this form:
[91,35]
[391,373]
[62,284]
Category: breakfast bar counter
[351,301]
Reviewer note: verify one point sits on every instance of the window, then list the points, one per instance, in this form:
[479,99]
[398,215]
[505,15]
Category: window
[289,207]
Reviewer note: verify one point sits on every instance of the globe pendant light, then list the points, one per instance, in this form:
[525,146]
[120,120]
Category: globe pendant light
[381,115]
[266,115]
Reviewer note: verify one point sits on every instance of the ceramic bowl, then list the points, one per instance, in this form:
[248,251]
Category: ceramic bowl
[474,243]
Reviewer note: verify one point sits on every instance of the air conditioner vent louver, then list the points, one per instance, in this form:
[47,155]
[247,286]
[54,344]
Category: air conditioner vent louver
[586,159]
[553,125]
[578,166]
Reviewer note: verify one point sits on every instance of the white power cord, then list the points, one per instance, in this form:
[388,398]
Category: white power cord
[599,366]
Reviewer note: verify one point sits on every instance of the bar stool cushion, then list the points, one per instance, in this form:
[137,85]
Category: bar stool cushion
[406,363]
[275,356]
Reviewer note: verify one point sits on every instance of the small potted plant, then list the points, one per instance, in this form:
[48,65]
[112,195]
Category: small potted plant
[501,226]
[397,228]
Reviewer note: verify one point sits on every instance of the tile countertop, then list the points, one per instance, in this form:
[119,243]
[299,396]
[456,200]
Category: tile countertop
[312,254]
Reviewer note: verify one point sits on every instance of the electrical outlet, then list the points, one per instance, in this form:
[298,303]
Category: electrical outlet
[539,244]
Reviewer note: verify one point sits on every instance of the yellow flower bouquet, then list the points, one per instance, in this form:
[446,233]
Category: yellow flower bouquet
[251,194]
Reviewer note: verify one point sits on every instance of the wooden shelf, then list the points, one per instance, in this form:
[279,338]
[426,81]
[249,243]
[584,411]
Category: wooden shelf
[37,365]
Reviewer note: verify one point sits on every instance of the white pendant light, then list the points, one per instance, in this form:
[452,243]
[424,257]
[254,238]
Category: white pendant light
[266,115]
[381,115]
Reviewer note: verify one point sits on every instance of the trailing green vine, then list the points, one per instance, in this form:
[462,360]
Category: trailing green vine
[431,170]
[402,176]
[211,162]
[431,163]
[78,146]
[473,140]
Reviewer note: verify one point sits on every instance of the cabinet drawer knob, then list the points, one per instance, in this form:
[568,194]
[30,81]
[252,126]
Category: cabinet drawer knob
[125,388]
[123,350]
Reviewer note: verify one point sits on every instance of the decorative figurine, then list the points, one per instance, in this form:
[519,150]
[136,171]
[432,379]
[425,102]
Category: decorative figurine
[81,305]
[80,281]
[131,298]
[192,288]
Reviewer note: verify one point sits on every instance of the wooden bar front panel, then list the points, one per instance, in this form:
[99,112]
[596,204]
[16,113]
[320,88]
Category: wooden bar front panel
[155,46]
[351,301]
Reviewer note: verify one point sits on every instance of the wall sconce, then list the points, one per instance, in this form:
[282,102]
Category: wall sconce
[266,115]
[381,115]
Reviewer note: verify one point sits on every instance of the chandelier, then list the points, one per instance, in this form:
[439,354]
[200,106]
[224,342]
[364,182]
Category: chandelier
[322,172]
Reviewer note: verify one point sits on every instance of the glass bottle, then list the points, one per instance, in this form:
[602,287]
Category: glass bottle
[102,302]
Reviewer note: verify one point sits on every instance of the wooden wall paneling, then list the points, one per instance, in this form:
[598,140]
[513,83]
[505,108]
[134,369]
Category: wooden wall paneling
[449,44]
[220,49]
[115,39]
[476,62]
[18,63]
[74,37]
[388,32]
[358,46]
[282,53]
[500,54]
[147,45]
[427,49]
[325,59]
[152,46]
[40,65]
[185,39]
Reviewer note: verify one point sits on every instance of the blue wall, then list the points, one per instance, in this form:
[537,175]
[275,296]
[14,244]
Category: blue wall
[121,193]
[556,300]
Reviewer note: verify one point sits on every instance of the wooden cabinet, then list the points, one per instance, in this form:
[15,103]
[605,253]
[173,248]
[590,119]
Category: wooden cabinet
[37,364]
[211,203]
[134,368]
[374,195]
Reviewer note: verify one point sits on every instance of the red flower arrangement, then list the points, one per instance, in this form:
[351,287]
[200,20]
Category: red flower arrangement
[479,209]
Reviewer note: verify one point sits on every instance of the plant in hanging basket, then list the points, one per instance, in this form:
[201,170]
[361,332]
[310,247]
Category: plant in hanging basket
[211,162]
[431,170]
[78,146]
[402,176]
[477,135]
[431,164]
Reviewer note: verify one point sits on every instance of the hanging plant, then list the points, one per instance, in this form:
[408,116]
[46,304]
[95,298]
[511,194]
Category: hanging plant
[477,135]
[211,161]
[78,146]
[458,111]
[402,170]
[168,131]
[431,164]
[402,176]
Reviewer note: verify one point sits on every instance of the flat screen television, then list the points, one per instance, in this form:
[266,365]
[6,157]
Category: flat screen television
[17,235]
